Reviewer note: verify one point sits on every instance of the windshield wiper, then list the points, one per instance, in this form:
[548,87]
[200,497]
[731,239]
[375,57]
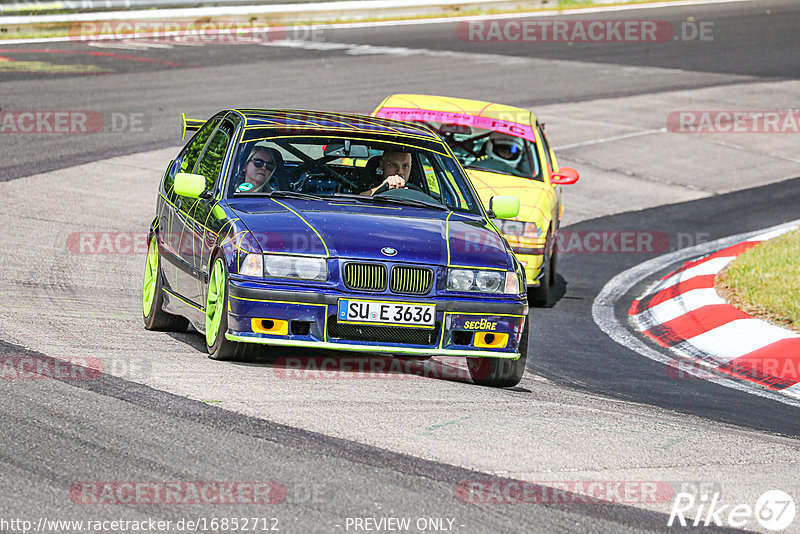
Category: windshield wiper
[278,194]
[294,194]
[340,197]
[408,202]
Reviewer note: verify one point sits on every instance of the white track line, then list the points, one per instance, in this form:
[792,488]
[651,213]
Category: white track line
[363,49]
[611,138]
[605,318]
[129,45]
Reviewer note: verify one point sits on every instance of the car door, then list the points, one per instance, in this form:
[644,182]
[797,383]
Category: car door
[196,215]
[172,218]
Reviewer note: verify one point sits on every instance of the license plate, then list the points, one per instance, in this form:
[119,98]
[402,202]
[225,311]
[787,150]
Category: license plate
[394,313]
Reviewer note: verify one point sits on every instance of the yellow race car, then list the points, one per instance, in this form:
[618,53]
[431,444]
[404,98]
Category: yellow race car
[505,152]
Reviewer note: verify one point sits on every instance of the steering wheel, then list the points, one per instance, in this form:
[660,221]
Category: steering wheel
[319,165]
[385,187]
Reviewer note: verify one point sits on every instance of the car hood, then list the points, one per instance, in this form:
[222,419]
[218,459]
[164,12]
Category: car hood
[361,231]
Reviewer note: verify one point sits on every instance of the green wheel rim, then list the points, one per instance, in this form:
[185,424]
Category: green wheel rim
[215,302]
[150,278]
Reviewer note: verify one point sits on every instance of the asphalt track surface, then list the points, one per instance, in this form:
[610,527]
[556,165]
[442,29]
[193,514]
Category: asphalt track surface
[56,433]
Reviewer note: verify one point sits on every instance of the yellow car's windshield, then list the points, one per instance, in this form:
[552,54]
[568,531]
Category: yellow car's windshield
[480,149]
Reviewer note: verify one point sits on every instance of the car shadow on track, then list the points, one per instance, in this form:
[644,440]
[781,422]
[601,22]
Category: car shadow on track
[334,365]
[557,292]
[292,363]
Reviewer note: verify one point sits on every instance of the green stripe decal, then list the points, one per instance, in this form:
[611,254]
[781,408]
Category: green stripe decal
[327,252]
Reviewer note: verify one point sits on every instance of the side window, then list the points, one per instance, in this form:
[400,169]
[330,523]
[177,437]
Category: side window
[211,162]
[529,165]
[193,150]
[188,157]
[429,173]
[442,184]
[546,148]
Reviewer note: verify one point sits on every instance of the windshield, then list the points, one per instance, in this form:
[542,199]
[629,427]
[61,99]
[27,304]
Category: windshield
[481,149]
[321,167]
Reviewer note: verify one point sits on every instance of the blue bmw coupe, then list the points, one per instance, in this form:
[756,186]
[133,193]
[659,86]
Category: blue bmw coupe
[336,231]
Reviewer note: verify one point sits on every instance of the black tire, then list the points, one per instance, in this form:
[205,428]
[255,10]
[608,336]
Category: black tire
[500,372]
[157,318]
[554,264]
[223,348]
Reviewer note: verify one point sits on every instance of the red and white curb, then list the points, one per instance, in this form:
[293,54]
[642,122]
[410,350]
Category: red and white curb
[684,313]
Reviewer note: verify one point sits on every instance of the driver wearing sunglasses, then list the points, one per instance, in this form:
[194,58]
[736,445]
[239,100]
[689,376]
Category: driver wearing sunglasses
[258,169]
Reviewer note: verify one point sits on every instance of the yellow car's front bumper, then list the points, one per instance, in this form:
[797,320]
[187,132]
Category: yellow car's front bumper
[533,267]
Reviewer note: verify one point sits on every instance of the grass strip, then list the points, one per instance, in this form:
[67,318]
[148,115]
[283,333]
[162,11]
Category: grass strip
[765,281]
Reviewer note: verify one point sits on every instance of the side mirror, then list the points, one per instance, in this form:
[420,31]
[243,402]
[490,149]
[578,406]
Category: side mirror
[564,176]
[503,207]
[189,185]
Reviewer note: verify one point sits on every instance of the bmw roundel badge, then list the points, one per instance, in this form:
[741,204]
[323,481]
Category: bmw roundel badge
[388,251]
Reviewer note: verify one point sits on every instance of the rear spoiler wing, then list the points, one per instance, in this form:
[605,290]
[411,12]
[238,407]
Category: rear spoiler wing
[190,125]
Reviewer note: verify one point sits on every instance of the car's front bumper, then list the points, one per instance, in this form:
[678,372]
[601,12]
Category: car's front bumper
[463,326]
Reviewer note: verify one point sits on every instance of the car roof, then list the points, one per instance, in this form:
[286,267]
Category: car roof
[506,119]
[323,121]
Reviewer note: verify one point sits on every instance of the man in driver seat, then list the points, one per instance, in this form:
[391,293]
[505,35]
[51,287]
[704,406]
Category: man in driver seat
[395,166]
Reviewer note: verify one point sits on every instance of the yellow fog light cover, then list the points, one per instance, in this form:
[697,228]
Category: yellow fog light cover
[490,340]
[270,326]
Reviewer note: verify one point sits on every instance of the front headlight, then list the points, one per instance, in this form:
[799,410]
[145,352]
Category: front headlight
[278,266]
[460,279]
[483,281]
[300,267]
[488,281]
[311,268]
[519,228]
